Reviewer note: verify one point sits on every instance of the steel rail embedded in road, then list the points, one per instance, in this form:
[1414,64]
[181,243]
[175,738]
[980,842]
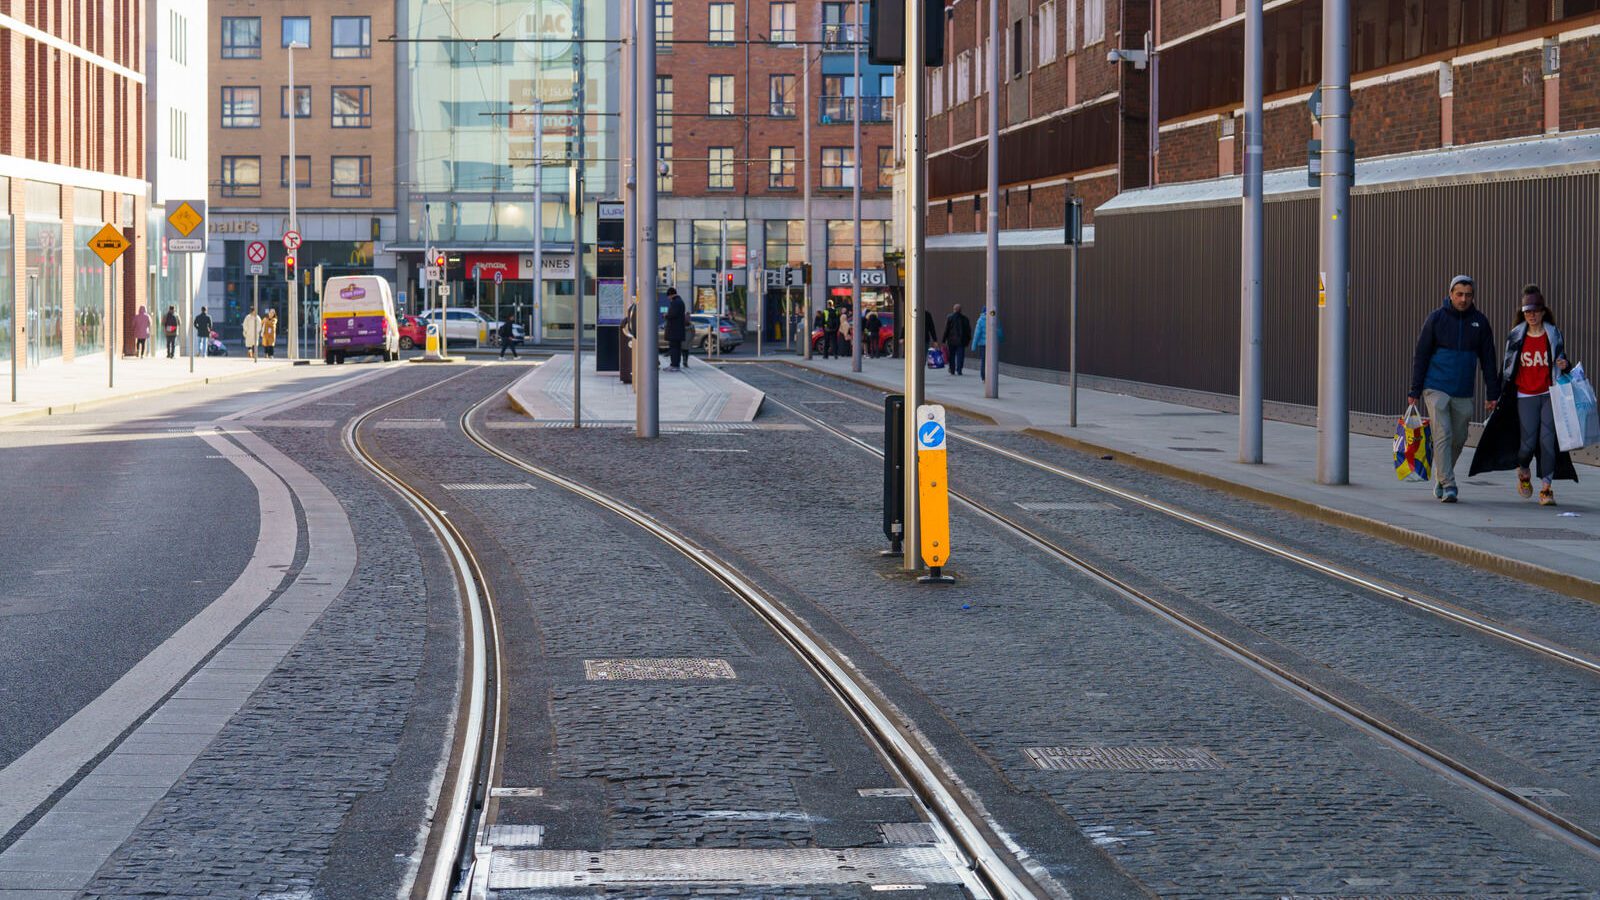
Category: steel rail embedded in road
[987,868]
[458,850]
[1440,608]
[1438,760]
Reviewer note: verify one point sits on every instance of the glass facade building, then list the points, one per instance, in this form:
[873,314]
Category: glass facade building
[472,153]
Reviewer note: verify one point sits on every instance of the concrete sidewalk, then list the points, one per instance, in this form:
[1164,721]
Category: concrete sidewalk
[57,388]
[1558,547]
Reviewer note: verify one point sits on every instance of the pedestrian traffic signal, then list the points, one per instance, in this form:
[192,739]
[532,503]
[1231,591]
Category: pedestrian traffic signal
[288,268]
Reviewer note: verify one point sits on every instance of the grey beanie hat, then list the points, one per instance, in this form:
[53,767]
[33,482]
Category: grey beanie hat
[1460,279]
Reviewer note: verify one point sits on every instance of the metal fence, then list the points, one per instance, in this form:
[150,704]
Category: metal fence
[1159,290]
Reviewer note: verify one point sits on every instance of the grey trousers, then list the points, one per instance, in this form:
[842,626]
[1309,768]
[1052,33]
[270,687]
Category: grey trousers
[1538,435]
[1449,417]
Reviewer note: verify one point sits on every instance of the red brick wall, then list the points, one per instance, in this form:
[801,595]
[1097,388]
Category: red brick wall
[1580,84]
[1499,98]
[1049,205]
[1094,192]
[1189,154]
[937,222]
[1180,17]
[1286,131]
[1399,117]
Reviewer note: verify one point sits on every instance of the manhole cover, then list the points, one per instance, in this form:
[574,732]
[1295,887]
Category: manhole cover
[655,669]
[725,867]
[514,837]
[907,834]
[516,792]
[1123,759]
[1542,534]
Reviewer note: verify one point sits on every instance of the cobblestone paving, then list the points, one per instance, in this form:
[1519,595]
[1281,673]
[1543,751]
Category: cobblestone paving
[1546,714]
[811,892]
[1022,654]
[262,809]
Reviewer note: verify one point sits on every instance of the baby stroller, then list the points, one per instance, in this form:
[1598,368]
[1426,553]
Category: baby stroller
[215,346]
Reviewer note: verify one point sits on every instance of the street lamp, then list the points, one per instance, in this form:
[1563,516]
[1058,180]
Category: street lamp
[294,224]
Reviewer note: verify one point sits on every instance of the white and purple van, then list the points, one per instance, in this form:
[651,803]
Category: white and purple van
[358,319]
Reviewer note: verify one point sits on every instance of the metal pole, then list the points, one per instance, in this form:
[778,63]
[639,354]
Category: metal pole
[294,222]
[630,167]
[715,337]
[1076,213]
[538,219]
[580,98]
[915,231]
[255,310]
[111,325]
[1333,337]
[647,395]
[188,308]
[477,291]
[805,140]
[855,202]
[1250,262]
[991,261]
[16,326]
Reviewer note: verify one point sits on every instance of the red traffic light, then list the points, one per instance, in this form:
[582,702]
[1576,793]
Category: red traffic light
[288,264]
[439,261]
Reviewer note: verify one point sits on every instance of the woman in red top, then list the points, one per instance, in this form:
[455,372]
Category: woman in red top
[1535,352]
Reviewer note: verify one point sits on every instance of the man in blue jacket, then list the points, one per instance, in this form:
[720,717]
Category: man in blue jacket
[1455,339]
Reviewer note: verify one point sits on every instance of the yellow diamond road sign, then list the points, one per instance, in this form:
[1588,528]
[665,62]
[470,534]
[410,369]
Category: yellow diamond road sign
[185,219]
[108,244]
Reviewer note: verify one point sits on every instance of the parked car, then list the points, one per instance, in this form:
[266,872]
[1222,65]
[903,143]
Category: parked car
[413,332]
[462,323]
[729,334]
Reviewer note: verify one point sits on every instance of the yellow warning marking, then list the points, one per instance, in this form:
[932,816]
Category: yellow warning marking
[185,218]
[108,244]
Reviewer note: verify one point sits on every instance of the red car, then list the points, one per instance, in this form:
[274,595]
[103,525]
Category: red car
[885,336]
[413,333]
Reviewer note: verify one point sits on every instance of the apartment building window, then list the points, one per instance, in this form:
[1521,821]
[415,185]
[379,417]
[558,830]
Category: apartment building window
[352,107]
[295,101]
[241,107]
[351,176]
[241,176]
[936,92]
[836,27]
[980,80]
[302,171]
[1094,21]
[781,96]
[785,241]
[838,98]
[721,95]
[720,169]
[352,37]
[963,76]
[783,27]
[664,132]
[782,165]
[838,167]
[1045,27]
[297,31]
[1069,37]
[663,26]
[241,37]
[721,31]
[885,168]
[1019,48]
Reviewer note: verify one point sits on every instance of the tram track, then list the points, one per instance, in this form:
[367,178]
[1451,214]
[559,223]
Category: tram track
[1426,753]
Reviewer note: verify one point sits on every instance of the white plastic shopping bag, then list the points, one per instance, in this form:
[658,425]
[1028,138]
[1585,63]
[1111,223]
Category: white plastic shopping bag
[1575,409]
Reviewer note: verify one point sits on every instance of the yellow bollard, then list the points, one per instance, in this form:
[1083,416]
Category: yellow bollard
[933,490]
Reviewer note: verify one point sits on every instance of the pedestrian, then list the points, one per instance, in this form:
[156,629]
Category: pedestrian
[830,331]
[677,322]
[169,327]
[1455,337]
[269,333]
[930,334]
[870,327]
[980,336]
[1523,426]
[957,333]
[252,333]
[508,337]
[141,333]
[202,333]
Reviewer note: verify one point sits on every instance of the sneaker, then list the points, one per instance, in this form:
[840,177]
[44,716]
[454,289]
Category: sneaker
[1438,491]
[1547,497]
[1449,494]
[1524,484]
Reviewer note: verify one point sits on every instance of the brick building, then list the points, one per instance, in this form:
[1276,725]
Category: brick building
[72,127]
[731,92]
[343,104]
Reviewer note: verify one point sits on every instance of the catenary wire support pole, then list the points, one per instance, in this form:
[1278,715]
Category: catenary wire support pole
[1333,334]
[578,160]
[538,219]
[915,231]
[1075,217]
[1250,261]
[991,260]
[629,150]
[805,203]
[856,318]
[294,221]
[647,396]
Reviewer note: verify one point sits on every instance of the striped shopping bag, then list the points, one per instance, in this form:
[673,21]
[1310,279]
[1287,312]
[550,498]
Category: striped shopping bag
[1413,447]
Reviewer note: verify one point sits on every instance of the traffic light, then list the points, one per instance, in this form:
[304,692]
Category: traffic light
[439,261]
[729,282]
[288,268]
[886,33]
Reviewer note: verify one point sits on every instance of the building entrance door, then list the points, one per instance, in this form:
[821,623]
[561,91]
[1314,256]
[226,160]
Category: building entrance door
[32,320]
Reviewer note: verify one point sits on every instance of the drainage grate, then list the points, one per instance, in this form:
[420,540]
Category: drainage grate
[908,834]
[1069,506]
[1195,449]
[898,866]
[516,837]
[516,792]
[1123,759]
[885,792]
[1541,534]
[655,669]
[709,428]
[490,486]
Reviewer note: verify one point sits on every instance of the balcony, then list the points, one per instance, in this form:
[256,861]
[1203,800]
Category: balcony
[838,36]
[838,110]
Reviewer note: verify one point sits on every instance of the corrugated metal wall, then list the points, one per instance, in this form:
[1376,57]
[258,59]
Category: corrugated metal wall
[1159,293]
